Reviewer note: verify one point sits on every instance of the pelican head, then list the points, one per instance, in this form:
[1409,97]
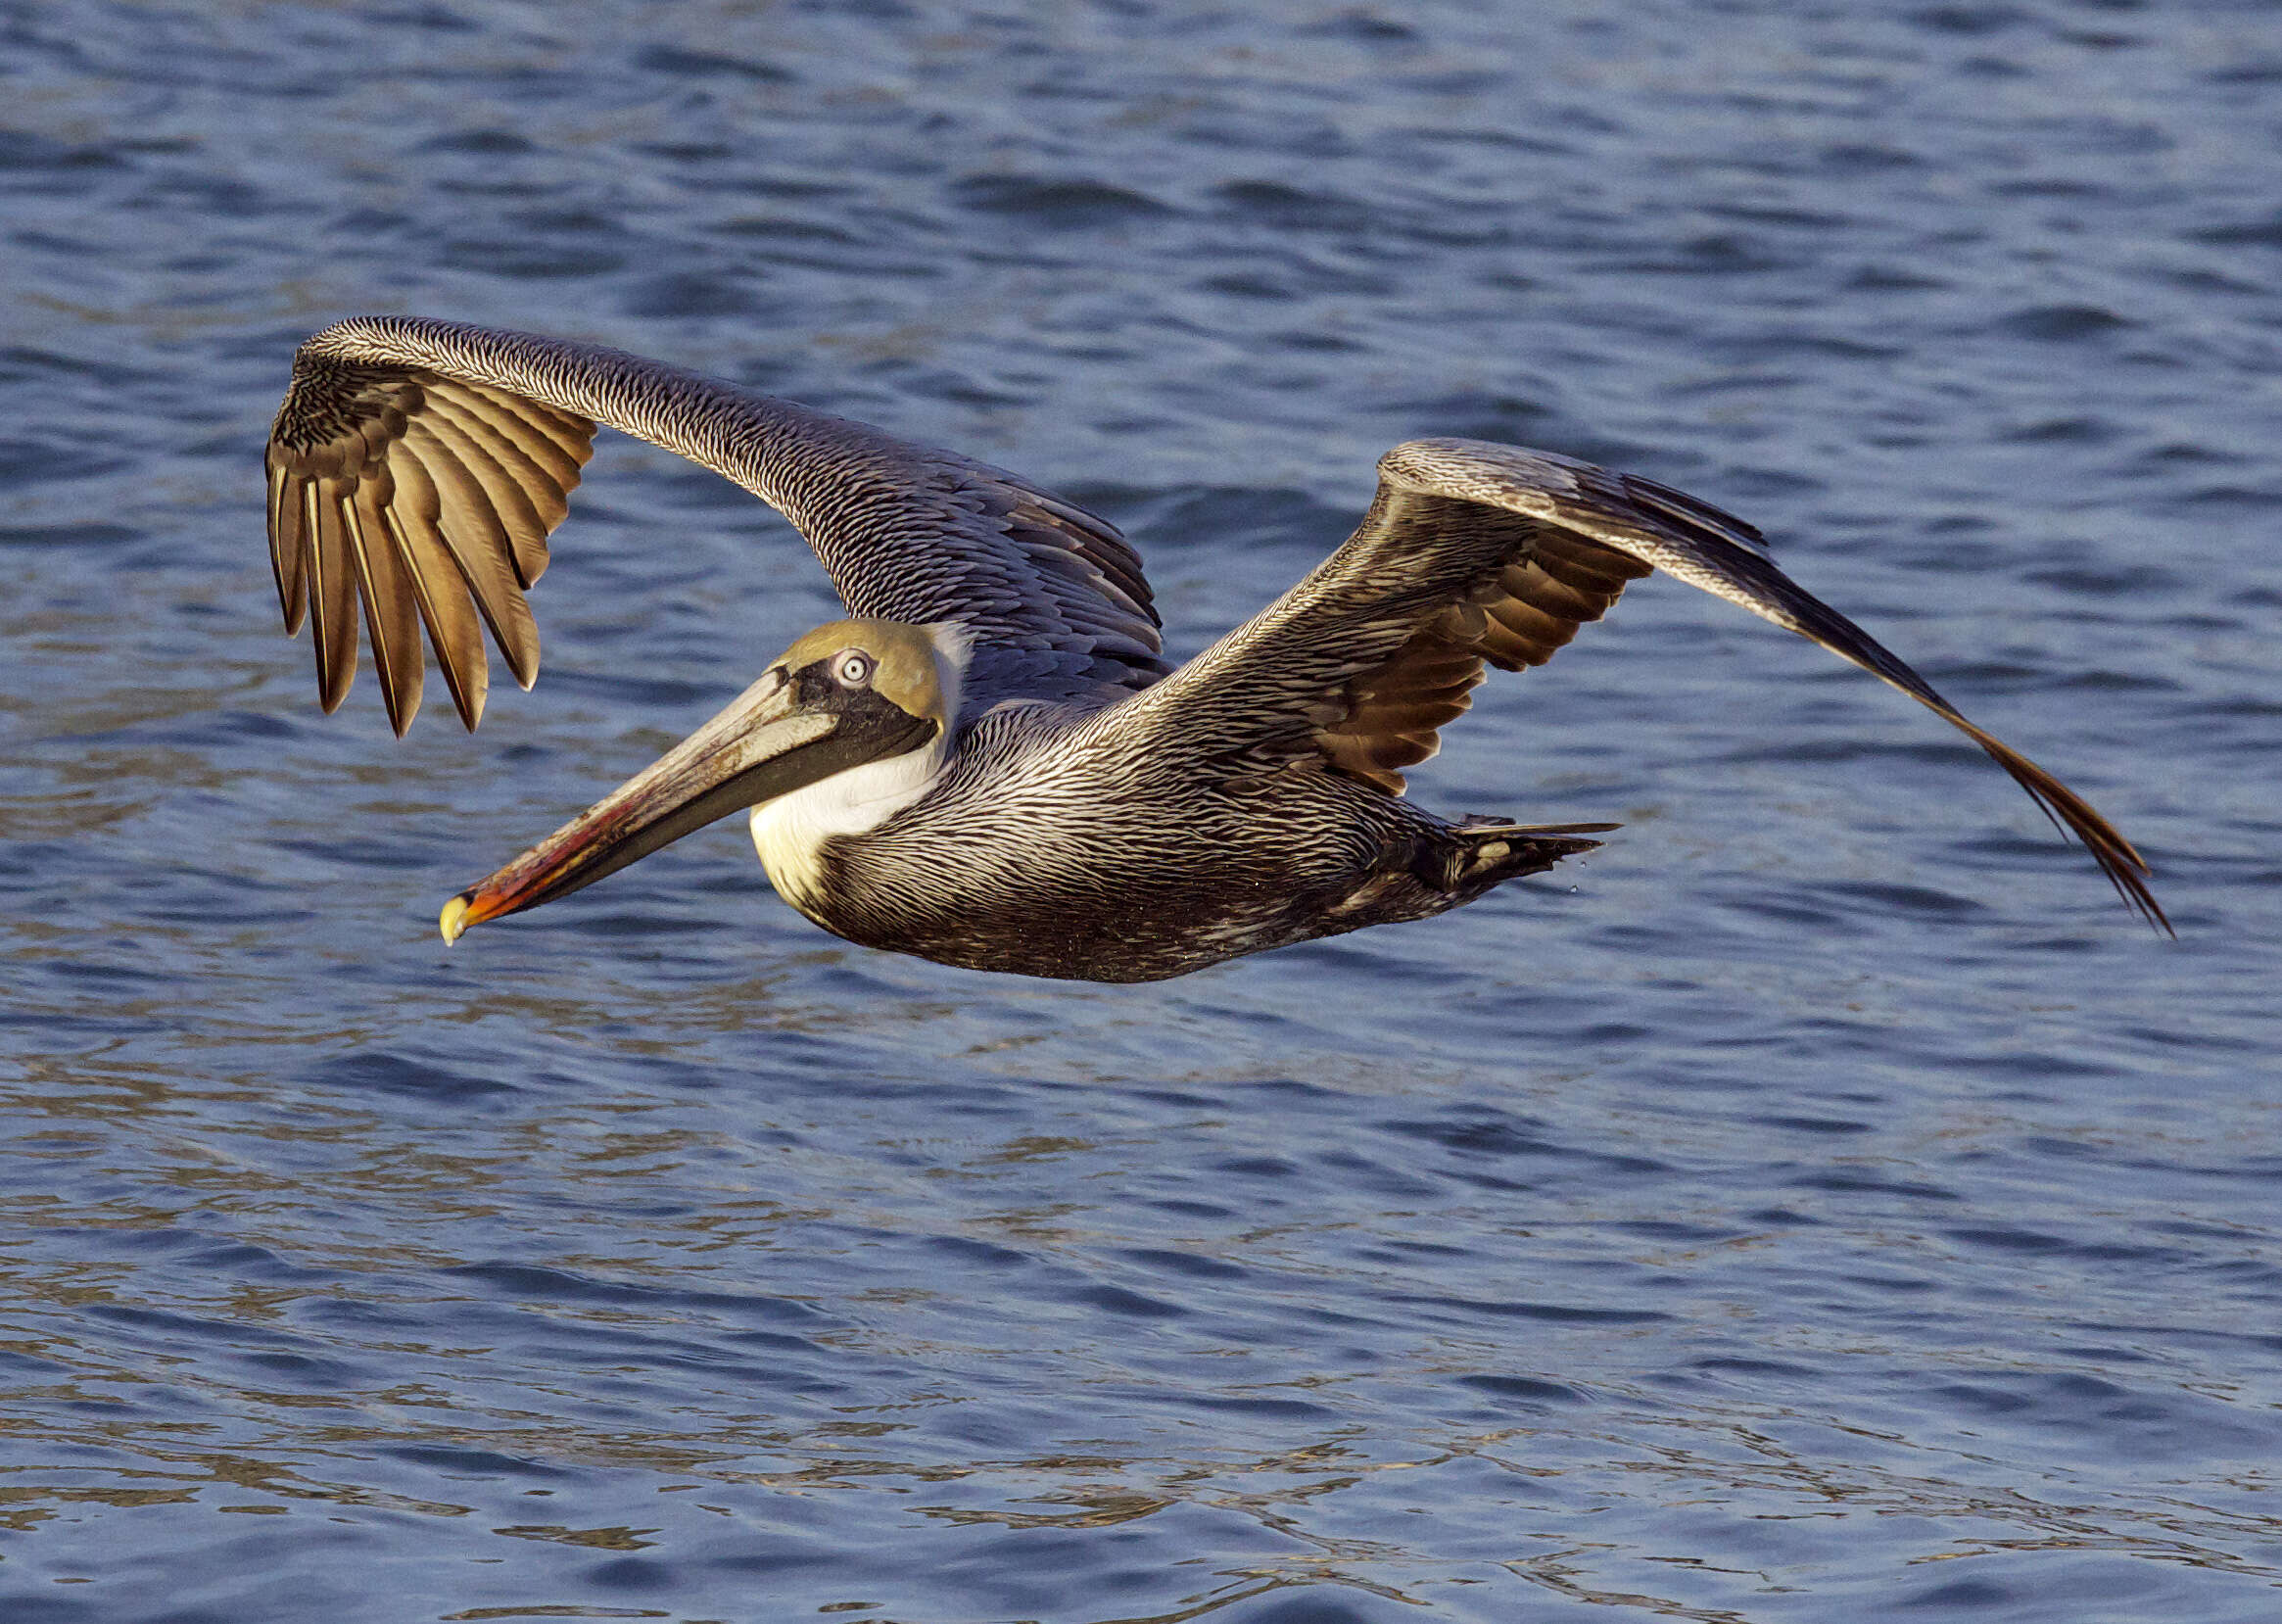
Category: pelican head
[855,714]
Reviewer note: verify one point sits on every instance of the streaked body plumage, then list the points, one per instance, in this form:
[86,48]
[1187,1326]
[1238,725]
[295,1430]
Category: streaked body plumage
[1000,768]
[1047,849]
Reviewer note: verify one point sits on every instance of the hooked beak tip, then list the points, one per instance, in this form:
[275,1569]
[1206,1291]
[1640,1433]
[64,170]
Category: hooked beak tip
[454,920]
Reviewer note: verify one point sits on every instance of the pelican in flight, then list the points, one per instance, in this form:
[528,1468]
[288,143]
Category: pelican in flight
[991,763]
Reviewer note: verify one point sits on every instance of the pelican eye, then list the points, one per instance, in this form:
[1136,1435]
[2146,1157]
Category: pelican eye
[853,668]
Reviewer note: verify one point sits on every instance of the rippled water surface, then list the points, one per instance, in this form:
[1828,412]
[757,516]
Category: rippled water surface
[1825,1202]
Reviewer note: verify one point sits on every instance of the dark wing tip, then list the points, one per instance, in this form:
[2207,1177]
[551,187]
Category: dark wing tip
[2126,870]
[1712,549]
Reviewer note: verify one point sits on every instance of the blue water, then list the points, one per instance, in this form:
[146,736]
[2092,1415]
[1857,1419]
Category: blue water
[1825,1202]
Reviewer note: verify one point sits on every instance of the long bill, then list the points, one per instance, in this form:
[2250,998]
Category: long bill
[763,746]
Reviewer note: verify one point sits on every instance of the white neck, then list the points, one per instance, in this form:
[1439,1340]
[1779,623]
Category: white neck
[790,832]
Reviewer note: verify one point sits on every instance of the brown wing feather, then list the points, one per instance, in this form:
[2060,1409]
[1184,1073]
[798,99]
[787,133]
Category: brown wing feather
[1390,714]
[332,591]
[444,607]
[392,616]
[430,501]
[285,545]
[1475,554]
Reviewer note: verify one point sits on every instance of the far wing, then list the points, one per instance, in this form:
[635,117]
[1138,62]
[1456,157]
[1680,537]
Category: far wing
[1476,553]
[418,467]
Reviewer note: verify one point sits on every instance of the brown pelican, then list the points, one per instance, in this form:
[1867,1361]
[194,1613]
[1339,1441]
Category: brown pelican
[992,764]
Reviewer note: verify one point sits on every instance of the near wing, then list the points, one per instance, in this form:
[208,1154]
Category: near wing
[1476,553]
[419,466]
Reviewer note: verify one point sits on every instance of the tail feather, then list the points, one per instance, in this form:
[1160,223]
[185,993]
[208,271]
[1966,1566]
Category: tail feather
[1488,851]
[1476,823]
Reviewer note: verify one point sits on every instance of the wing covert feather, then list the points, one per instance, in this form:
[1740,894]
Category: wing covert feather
[1476,553]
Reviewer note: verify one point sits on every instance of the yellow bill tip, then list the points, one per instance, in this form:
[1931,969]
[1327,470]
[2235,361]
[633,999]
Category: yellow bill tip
[453,920]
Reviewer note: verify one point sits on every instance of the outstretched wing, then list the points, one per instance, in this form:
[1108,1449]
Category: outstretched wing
[419,466]
[1475,554]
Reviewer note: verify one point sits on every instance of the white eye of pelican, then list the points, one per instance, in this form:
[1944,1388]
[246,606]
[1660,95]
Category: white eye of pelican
[853,668]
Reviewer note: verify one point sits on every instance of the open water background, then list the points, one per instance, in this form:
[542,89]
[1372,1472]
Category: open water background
[1825,1202]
